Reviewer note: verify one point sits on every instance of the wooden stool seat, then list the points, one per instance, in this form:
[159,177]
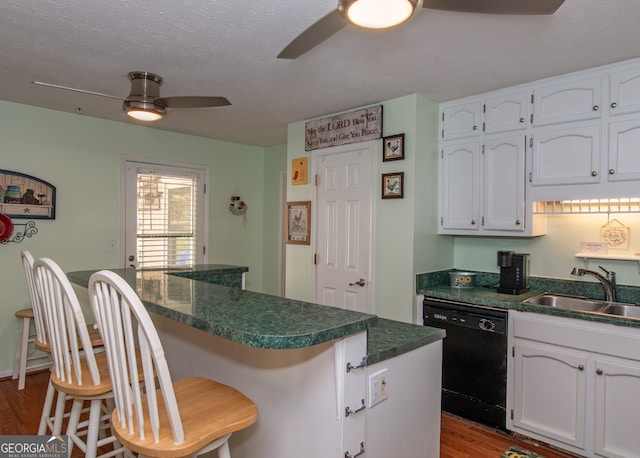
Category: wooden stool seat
[209,410]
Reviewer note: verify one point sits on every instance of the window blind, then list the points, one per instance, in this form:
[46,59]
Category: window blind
[167,220]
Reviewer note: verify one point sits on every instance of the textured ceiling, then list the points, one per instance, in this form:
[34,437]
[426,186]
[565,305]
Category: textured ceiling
[229,48]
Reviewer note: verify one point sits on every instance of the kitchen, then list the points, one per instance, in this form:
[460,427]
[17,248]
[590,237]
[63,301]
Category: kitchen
[67,146]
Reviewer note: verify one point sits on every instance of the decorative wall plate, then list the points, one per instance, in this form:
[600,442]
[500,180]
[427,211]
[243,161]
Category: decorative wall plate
[615,234]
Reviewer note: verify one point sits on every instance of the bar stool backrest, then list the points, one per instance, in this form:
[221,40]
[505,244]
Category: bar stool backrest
[38,312]
[66,326]
[126,327]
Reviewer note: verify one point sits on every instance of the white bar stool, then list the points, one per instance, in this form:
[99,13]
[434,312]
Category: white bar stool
[21,364]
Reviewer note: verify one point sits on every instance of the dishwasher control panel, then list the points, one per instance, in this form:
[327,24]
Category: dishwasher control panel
[469,317]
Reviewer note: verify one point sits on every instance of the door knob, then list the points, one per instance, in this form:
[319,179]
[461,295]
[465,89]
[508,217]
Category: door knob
[360,282]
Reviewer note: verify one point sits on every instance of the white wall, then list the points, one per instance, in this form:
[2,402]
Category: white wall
[81,157]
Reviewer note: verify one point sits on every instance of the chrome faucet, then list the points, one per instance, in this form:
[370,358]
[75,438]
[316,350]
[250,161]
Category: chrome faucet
[609,283]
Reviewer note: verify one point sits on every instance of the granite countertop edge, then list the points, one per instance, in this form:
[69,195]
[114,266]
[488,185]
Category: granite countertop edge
[386,338]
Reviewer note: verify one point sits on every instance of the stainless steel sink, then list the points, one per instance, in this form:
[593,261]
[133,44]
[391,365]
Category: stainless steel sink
[576,303]
[583,304]
[619,309]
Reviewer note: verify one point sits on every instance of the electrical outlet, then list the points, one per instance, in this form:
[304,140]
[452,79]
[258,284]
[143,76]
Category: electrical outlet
[378,387]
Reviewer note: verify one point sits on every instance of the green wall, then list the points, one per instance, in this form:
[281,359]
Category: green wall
[81,156]
[402,228]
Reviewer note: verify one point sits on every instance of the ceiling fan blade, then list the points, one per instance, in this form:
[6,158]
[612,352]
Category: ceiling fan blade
[495,6]
[322,30]
[193,102]
[57,86]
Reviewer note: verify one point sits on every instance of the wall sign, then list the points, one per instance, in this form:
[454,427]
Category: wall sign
[355,126]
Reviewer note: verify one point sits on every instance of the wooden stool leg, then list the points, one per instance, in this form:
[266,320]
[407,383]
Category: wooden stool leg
[22,348]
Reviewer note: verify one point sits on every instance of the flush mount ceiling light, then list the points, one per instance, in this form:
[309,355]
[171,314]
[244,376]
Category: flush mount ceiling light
[377,14]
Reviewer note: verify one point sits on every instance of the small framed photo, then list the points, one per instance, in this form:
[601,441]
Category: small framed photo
[299,223]
[393,148]
[393,185]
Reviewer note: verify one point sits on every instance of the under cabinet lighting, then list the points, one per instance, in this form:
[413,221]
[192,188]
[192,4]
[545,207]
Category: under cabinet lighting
[621,205]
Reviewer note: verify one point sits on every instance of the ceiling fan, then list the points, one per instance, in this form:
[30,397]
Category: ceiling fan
[357,12]
[144,102]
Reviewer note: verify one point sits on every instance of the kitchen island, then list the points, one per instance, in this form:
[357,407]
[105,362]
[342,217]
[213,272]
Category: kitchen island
[328,382]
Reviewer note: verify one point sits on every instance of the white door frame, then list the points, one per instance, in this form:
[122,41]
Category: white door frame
[374,147]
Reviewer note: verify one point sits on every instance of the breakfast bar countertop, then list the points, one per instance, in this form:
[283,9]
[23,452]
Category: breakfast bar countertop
[245,317]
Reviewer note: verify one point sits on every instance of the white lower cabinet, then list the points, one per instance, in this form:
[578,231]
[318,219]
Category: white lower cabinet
[550,387]
[575,384]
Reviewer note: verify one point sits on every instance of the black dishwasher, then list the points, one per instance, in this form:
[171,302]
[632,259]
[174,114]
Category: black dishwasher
[474,360]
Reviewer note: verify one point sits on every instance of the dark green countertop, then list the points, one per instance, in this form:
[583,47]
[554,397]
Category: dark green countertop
[390,338]
[261,320]
[245,317]
[490,297]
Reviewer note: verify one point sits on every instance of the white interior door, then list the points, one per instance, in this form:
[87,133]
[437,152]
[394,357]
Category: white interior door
[344,199]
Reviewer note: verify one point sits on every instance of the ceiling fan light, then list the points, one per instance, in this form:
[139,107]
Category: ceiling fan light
[143,110]
[144,115]
[377,14]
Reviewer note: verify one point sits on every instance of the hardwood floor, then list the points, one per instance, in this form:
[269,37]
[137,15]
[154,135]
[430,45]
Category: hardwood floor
[460,438]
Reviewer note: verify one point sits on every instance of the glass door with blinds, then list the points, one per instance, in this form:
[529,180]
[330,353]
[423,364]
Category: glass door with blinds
[164,216]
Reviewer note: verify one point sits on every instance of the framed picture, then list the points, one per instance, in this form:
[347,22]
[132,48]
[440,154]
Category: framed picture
[299,223]
[393,148]
[393,185]
[299,171]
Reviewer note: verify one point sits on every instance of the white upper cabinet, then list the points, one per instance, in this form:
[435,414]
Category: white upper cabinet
[504,180]
[567,102]
[462,121]
[507,113]
[624,92]
[566,156]
[624,150]
[460,187]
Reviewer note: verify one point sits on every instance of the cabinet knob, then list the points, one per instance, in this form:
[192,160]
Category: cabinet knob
[599,371]
[475,127]
[580,367]
[614,104]
[612,172]
[596,108]
[521,119]
[518,223]
[594,174]
[473,222]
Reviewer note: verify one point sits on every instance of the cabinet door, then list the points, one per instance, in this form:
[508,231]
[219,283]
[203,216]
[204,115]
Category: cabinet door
[625,92]
[504,180]
[575,101]
[617,409]
[568,156]
[507,113]
[624,150]
[460,186]
[462,121]
[549,393]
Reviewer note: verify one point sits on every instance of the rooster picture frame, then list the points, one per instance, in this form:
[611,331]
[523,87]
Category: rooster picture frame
[393,185]
[299,223]
[393,148]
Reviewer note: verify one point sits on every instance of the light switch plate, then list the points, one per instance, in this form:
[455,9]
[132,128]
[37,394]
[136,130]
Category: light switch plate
[378,387]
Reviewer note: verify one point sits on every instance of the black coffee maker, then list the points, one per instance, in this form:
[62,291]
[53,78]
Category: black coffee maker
[514,272]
